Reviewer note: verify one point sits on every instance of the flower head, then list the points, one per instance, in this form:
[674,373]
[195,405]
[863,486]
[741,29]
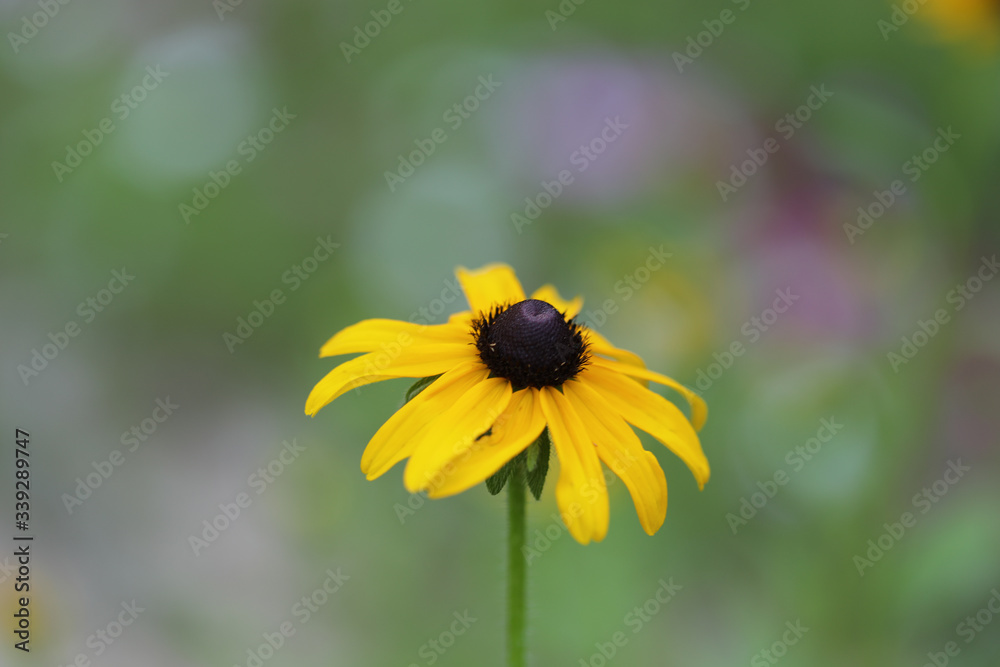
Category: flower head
[508,368]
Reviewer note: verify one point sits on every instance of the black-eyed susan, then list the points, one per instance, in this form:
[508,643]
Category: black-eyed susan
[501,373]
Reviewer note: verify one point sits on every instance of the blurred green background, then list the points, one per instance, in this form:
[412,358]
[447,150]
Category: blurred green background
[208,149]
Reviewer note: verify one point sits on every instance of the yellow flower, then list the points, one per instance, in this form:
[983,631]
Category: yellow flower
[510,367]
[974,21]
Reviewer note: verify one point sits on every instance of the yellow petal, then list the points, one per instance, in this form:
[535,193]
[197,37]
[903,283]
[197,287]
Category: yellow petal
[390,335]
[550,295]
[397,437]
[620,449]
[598,344]
[489,286]
[414,361]
[581,492]
[519,425]
[463,319]
[652,413]
[454,430]
[699,409]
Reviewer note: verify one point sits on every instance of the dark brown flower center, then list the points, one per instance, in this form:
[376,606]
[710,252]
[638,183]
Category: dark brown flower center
[531,344]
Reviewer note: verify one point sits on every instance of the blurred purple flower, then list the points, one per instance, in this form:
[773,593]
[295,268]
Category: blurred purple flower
[654,124]
[798,245]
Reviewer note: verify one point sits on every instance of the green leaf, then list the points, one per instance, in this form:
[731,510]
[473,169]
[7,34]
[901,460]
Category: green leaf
[496,481]
[419,386]
[538,463]
[534,460]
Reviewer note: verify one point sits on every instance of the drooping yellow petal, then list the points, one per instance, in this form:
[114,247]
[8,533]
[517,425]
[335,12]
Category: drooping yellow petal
[491,285]
[519,425]
[414,361]
[454,430]
[652,413]
[699,409]
[390,335]
[620,449]
[598,344]
[581,492]
[397,437]
[550,295]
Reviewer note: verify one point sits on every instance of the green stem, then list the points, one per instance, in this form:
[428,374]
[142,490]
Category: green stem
[516,580]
